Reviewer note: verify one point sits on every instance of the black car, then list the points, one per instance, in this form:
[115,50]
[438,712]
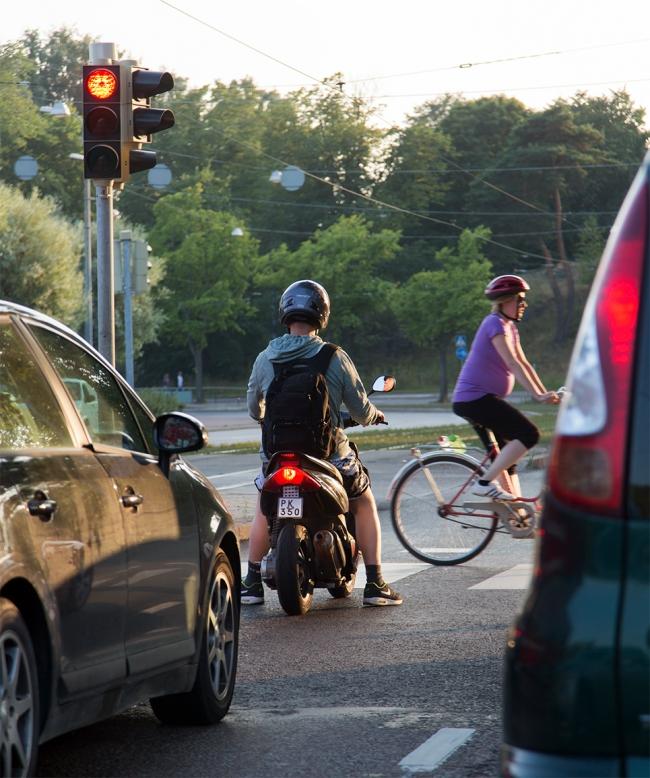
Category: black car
[577,680]
[119,563]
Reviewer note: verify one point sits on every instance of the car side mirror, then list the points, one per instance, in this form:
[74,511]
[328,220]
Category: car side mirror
[385,383]
[178,433]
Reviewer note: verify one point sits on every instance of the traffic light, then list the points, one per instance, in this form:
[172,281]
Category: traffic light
[139,120]
[102,122]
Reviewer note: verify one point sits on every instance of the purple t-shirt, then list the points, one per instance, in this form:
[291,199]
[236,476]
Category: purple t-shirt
[484,372]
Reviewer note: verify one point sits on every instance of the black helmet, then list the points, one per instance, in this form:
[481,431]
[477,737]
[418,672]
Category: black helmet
[305,301]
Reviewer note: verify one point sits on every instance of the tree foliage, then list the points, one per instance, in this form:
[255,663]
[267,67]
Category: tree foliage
[39,256]
[207,272]
[433,306]
[345,257]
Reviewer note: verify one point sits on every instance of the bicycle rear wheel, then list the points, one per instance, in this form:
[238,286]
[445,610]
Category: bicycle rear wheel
[427,524]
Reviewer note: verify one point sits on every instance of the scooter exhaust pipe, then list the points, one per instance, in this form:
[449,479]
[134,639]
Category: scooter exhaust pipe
[326,553]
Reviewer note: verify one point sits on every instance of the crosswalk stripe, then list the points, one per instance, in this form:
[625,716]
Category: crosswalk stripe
[435,750]
[517,577]
[392,571]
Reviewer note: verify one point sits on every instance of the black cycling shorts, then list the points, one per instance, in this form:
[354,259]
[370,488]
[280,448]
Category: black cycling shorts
[505,421]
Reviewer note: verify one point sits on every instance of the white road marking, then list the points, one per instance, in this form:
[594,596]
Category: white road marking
[517,577]
[235,486]
[454,550]
[235,472]
[392,571]
[435,750]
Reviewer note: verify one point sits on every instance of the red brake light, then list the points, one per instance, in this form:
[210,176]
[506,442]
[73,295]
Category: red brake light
[290,476]
[101,84]
[588,461]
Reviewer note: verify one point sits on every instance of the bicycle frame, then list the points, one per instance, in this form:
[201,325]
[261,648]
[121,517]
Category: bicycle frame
[455,509]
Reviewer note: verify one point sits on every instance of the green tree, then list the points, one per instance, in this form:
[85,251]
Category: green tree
[623,144]
[589,250]
[25,130]
[39,256]
[207,273]
[478,130]
[57,60]
[346,258]
[435,305]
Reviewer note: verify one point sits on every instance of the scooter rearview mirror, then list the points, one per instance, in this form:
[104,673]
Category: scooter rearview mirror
[385,383]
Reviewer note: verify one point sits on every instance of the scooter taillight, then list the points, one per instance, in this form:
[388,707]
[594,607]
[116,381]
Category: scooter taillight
[290,475]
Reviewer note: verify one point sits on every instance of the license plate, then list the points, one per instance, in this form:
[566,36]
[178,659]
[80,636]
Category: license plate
[289,507]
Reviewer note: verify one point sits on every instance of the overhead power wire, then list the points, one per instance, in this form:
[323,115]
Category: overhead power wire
[305,233]
[511,89]
[339,186]
[238,40]
[466,65]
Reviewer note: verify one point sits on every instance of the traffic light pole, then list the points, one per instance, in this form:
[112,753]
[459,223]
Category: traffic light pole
[88,262]
[125,246]
[105,271]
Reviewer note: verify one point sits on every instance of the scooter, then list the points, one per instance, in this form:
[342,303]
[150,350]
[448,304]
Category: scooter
[310,525]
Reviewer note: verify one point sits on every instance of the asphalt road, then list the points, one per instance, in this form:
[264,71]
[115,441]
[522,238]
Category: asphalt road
[346,690]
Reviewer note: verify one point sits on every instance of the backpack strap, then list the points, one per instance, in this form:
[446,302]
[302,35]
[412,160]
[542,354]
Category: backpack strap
[319,361]
[322,360]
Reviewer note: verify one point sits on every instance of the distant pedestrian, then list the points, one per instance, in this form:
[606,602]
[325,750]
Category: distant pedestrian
[167,381]
[179,380]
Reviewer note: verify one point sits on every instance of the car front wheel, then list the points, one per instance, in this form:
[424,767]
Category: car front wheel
[18,695]
[210,697]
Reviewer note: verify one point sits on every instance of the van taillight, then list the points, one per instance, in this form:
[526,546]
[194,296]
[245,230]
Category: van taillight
[588,460]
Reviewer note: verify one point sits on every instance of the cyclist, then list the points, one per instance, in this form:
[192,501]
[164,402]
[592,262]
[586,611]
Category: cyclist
[304,309]
[496,359]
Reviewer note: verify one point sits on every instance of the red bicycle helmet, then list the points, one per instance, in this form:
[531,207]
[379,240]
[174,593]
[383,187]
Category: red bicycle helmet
[502,286]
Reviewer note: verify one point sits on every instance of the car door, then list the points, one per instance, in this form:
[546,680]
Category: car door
[162,543]
[60,520]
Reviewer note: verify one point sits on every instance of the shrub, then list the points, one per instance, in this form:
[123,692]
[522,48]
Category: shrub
[160,402]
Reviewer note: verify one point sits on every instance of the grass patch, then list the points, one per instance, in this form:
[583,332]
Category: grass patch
[544,417]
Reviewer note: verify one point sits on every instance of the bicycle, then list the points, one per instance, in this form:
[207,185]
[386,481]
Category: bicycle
[433,520]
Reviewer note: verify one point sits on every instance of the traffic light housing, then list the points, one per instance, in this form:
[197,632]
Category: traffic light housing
[103,94]
[140,120]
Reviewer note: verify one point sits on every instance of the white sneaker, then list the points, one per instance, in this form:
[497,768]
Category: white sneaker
[493,491]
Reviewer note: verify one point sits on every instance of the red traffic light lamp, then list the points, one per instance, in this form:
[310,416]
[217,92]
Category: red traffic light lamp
[102,122]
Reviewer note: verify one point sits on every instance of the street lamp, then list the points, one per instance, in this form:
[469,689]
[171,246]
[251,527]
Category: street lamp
[88,256]
[58,110]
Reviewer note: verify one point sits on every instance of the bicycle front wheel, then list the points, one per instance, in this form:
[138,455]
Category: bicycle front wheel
[428,514]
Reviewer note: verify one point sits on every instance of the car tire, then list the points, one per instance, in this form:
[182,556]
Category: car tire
[210,697]
[19,712]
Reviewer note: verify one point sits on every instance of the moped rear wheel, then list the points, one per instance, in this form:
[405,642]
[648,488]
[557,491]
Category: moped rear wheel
[294,583]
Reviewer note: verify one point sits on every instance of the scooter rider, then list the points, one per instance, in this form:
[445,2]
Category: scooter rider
[304,309]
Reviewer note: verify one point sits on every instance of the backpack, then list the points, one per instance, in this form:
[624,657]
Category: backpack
[297,415]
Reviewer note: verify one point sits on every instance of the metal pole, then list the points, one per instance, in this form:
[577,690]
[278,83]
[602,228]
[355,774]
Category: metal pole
[125,245]
[105,272]
[88,262]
